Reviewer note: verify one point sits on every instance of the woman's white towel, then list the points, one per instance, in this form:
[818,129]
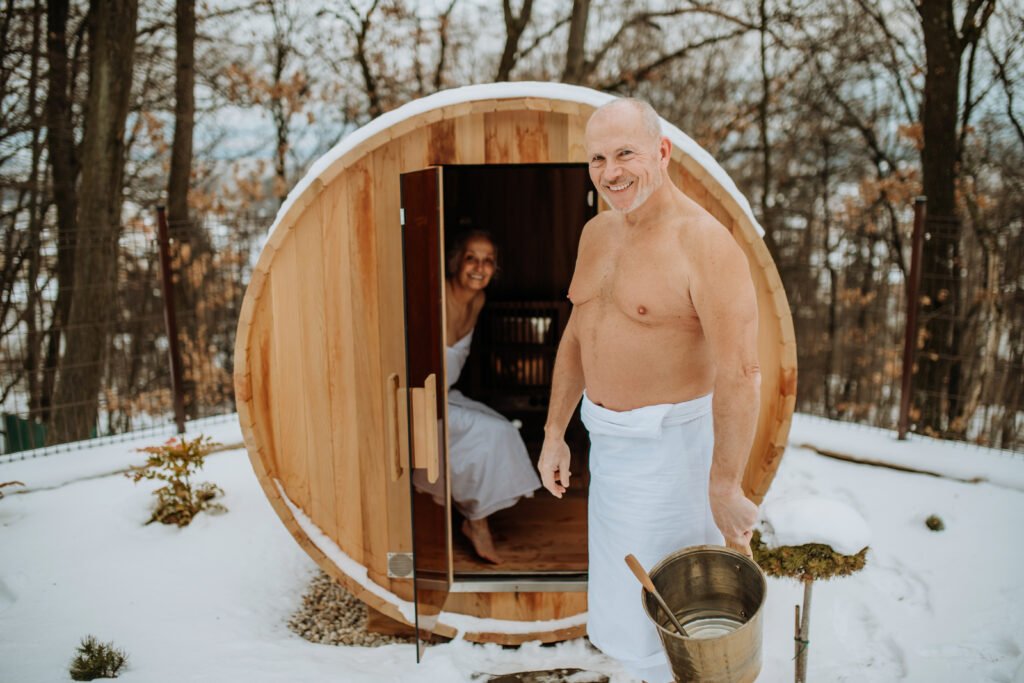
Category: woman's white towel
[489,466]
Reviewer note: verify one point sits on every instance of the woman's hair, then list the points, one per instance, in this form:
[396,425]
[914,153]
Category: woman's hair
[458,249]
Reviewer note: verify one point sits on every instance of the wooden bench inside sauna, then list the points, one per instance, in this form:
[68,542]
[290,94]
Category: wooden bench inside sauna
[339,367]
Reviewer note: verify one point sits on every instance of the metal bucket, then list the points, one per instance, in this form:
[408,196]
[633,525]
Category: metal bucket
[717,595]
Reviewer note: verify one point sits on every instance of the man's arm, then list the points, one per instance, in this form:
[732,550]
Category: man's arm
[566,389]
[726,303]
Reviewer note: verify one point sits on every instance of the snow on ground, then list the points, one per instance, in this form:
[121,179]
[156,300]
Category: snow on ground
[210,602]
[800,520]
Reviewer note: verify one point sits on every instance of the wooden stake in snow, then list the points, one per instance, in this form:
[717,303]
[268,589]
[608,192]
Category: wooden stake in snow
[807,539]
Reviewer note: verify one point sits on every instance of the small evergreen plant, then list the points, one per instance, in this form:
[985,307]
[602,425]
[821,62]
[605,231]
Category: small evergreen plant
[174,462]
[94,659]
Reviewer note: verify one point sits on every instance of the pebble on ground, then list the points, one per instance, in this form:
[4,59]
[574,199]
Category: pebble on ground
[330,615]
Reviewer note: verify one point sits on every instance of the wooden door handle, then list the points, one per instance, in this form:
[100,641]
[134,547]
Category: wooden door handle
[426,449]
[430,423]
[392,440]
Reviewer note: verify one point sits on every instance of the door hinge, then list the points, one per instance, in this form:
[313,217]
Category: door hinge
[401,216]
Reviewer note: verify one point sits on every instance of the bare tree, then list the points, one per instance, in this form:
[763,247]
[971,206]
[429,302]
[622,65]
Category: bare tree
[282,49]
[178,182]
[111,56]
[944,45]
[23,197]
[575,54]
[64,166]
[515,24]
[443,24]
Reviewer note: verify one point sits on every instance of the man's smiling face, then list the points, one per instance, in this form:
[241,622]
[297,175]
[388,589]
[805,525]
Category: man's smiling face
[626,158]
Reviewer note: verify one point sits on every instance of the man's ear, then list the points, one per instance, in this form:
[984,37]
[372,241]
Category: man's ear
[665,152]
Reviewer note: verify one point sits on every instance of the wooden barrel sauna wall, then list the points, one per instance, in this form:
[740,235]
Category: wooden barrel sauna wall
[321,341]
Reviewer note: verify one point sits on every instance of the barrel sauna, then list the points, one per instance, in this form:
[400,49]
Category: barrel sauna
[339,356]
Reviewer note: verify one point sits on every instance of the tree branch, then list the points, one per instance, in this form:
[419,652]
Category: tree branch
[970,30]
[642,72]
[543,36]
[1007,89]
[443,36]
[895,45]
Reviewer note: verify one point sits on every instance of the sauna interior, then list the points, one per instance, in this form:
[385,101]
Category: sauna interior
[535,213]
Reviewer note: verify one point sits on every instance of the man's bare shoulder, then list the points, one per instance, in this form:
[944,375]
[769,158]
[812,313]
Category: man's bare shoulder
[598,228]
[719,272]
[703,236]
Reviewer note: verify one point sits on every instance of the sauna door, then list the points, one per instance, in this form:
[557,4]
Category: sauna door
[422,248]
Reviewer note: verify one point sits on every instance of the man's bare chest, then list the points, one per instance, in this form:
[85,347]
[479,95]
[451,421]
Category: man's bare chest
[648,286]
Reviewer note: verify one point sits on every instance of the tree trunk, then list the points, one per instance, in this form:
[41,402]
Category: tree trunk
[190,242]
[575,55]
[442,48]
[938,379]
[514,27]
[767,202]
[64,166]
[279,108]
[111,56]
[940,281]
[33,354]
[833,282]
[184,112]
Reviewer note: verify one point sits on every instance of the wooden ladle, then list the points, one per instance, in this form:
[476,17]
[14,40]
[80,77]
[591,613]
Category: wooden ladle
[641,574]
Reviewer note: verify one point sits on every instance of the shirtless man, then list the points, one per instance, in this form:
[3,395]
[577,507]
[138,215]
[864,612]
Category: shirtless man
[662,346]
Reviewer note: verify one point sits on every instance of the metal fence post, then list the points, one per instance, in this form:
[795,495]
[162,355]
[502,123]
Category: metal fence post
[170,320]
[910,337]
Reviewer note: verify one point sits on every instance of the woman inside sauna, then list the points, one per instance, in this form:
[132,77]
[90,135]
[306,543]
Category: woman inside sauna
[489,466]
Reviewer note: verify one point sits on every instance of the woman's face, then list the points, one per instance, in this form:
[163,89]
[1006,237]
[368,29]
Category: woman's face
[477,265]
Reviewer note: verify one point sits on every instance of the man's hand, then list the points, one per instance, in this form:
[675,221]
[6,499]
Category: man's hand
[554,466]
[735,517]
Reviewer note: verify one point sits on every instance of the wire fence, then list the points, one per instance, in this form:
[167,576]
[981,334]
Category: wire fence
[971,389]
[210,264]
[847,291]
[849,300]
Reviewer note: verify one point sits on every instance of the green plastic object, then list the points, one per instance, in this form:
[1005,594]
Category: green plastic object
[21,434]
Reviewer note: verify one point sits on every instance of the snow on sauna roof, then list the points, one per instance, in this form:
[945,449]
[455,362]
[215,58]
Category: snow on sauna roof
[472,93]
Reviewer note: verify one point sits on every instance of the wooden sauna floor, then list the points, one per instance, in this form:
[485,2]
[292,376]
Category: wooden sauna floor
[537,535]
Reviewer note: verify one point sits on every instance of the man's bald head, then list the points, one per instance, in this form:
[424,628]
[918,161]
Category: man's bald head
[628,154]
[629,109]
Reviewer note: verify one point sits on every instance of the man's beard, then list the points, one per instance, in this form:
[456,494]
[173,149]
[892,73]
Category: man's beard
[642,196]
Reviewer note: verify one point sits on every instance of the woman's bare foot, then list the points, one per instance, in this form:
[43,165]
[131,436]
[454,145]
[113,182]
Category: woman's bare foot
[478,531]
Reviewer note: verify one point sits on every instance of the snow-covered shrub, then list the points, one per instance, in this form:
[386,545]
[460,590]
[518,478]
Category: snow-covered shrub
[174,462]
[94,659]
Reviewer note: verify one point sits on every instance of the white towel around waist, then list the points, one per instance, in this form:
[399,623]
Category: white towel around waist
[641,423]
[649,472]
